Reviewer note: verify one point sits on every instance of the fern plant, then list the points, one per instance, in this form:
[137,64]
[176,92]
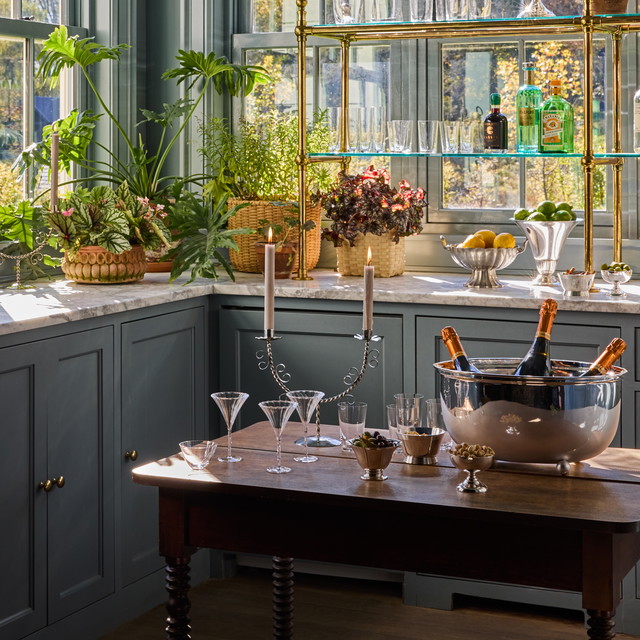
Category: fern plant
[142,169]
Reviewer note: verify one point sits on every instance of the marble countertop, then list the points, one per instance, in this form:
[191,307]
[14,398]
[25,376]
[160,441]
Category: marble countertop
[60,301]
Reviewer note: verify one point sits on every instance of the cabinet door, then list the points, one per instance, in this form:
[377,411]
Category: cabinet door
[23,535]
[163,402]
[318,350]
[79,404]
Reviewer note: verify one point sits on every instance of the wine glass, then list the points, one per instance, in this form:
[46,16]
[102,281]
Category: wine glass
[307,402]
[278,412]
[198,453]
[229,403]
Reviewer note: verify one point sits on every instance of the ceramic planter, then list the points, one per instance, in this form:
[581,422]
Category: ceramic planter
[95,265]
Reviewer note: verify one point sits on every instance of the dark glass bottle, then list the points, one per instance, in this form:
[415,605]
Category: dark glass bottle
[454,346]
[496,131]
[537,362]
[601,365]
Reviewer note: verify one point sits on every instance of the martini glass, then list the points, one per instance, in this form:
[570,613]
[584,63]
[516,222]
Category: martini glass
[278,412]
[229,403]
[307,402]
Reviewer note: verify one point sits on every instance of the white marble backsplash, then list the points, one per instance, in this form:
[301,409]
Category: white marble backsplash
[59,301]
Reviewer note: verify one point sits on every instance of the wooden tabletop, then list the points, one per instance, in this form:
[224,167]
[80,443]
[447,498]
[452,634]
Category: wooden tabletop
[600,494]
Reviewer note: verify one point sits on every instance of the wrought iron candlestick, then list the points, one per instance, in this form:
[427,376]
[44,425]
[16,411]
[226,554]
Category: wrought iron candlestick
[370,358]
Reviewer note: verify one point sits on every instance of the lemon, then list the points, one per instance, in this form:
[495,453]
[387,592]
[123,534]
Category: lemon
[473,242]
[536,217]
[487,235]
[504,241]
[547,207]
[521,214]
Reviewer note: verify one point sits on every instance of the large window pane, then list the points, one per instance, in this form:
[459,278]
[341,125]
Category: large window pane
[42,10]
[280,15]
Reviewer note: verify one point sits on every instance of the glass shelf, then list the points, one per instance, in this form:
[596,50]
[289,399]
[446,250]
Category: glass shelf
[510,154]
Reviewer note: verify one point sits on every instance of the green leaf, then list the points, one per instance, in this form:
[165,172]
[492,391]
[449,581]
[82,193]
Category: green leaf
[170,112]
[114,242]
[64,228]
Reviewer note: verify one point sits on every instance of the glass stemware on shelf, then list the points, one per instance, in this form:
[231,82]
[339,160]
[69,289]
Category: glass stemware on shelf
[229,403]
[278,412]
[307,402]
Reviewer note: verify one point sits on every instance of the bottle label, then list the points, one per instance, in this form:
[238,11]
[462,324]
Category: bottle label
[636,116]
[526,116]
[457,354]
[543,334]
[552,129]
[492,135]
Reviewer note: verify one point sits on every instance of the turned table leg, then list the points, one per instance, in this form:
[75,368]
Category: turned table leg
[601,624]
[282,598]
[177,585]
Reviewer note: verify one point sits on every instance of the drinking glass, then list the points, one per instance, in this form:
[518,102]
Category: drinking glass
[347,11]
[452,10]
[421,10]
[307,402]
[450,136]
[434,419]
[378,128]
[229,403]
[392,425]
[400,136]
[351,418]
[198,453]
[278,412]
[471,138]
[367,119]
[355,120]
[334,120]
[479,9]
[386,10]
[410,408]
[428,136]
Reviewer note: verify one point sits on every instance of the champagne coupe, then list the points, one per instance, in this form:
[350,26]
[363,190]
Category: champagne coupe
[307,402]
[278,412]
[229,403]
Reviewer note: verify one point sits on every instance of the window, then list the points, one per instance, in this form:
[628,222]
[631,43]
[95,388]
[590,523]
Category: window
[27,103]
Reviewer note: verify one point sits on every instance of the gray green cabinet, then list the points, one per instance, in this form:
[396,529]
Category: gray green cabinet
[57,545]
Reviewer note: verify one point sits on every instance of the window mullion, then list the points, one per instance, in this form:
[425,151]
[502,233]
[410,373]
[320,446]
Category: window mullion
[16,9]
[27,89]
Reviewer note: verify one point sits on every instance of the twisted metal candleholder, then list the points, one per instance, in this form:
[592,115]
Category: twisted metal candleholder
[370,359]
[33,256]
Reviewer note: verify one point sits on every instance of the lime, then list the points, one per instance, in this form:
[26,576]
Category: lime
[573,215]
[547,207]
[561,215]
[564,206]
[521,214]
[537,217]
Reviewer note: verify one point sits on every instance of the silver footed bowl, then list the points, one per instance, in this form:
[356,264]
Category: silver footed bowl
[483,263]
[546,419]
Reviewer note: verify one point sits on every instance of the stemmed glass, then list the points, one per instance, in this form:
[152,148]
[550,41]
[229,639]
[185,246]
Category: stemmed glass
[278,412]
[229,403]
[307,402]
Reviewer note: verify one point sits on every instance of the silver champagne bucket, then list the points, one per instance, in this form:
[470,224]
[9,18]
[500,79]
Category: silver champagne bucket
[547,419]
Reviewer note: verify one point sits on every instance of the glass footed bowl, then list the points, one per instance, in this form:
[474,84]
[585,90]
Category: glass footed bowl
[483,263]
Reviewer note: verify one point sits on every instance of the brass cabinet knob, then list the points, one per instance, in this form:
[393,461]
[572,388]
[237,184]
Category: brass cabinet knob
[59,481]
[131,455]
[47,485]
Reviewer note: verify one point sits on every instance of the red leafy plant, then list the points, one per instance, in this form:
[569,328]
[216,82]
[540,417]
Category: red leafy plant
[367,203]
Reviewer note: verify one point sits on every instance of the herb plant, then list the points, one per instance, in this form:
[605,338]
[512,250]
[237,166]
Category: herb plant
[367,203]
[281,232]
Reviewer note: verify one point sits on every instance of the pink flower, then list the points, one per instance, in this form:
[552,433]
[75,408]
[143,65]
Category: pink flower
[67,212]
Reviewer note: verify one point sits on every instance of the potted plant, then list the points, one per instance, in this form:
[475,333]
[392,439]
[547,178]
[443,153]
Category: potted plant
[366,211]
[104,234]
[285,238]
[257,164]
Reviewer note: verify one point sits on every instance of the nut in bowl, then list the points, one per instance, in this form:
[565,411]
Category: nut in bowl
[616,273]
[373,453]
[421,444]
[472,458]
[483,261]
[577,283]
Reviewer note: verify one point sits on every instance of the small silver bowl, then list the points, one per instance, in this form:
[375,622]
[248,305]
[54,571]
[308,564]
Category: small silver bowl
[421,444]
[616,278]
[576,284]
[374,460]
[472,466]
[483,263]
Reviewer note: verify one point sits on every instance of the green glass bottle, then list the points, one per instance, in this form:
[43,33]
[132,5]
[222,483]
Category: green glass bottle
[556,123]
[528,101]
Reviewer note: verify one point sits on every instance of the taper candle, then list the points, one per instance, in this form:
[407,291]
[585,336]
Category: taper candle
[367,310]
[269,282]
[55,153]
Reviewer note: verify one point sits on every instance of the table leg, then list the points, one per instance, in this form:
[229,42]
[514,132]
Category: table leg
[601,624]
[282,598]
[177,585]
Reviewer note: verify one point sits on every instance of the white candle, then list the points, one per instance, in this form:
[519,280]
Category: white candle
[269,283]
[367,309]
[55,152]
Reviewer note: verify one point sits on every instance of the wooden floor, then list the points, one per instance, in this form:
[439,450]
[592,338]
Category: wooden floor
[329,608]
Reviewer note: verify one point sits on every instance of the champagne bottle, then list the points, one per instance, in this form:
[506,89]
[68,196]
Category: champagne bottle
[601,365]
[537,362]
[458,356]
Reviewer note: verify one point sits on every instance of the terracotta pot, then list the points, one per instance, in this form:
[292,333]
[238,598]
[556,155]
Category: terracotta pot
[95,265]
[284,258]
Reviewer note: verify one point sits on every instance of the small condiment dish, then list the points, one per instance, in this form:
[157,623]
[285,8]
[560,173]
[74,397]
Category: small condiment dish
[374,460]
[616,278]
[577,284]
[421,444]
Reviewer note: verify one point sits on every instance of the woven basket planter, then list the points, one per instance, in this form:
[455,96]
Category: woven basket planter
[95,265]
[386,256]
[246,258]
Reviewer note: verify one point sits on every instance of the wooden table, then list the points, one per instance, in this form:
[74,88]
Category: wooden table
[532,527]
